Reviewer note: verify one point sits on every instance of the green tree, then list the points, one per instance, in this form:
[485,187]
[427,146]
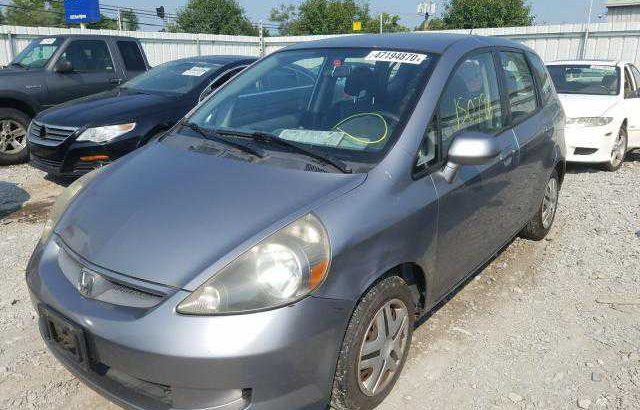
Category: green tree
[105,23]
[129,20]
[35,13]
[213,17]
[330,17]
[468,14]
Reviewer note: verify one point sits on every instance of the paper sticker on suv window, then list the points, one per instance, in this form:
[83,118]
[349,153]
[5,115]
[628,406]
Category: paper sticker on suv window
[196,71]
[47,41]
[396,57]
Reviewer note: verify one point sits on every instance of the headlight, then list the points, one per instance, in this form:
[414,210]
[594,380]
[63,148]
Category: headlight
[282,269]
[63,202]
[106,133]
[590,121]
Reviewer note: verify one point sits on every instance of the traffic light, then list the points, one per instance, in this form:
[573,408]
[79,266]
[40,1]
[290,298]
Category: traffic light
[160,12]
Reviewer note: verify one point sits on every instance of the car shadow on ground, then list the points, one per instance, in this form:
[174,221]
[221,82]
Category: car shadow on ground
[12,198]
[461,286]
[62,181]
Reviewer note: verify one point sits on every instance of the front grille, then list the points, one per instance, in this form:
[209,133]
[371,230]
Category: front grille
[51,132]
[45,162]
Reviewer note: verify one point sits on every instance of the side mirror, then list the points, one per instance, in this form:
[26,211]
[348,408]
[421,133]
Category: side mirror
[63,67]
[470,148]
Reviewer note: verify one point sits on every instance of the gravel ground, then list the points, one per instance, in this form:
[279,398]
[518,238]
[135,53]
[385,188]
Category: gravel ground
[548,325]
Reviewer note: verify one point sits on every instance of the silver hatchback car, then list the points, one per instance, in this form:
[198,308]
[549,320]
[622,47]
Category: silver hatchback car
[275,249]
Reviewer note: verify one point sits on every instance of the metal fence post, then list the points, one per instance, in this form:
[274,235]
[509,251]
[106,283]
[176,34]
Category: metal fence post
[10,48]
[198,45]
[261,46]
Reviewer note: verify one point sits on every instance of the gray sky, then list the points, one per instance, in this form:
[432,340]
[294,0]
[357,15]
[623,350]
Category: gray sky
[547,11]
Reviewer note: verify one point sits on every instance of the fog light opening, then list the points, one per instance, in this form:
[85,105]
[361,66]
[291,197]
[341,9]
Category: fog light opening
[93,158]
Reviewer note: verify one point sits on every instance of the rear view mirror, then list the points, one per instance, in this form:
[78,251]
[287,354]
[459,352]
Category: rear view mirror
[470,148]
[341,71]
[63,67]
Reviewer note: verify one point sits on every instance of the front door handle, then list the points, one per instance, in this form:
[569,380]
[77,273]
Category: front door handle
[115,81]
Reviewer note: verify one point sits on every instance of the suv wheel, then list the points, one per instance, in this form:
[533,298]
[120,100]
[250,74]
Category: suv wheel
[375,346]
[618,152]
[13,136]
[541,223]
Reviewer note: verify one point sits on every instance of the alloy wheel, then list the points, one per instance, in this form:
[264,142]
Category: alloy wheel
[619,150]
[549,203]
[383,347]
[13,137]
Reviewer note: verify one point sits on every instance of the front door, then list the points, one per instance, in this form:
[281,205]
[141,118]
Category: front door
[632,102]
[473,219]
[93,71]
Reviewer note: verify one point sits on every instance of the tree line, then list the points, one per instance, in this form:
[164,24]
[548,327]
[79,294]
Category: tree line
[307,17]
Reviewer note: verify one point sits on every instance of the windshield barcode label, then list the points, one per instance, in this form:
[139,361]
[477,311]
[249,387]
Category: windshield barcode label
[396,57]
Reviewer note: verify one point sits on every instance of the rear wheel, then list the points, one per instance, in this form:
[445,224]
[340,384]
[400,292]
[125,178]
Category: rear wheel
[541,223]
[13,136]
[618,152]
[375,346]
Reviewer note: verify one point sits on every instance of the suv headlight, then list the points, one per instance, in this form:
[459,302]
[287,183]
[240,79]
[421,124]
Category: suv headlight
[106,133]
[63,202]
[282,269]
[590,121]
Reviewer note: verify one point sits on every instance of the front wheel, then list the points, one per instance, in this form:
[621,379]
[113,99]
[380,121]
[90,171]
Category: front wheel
[540,225]
[13,136]
[375,346]
[618,152]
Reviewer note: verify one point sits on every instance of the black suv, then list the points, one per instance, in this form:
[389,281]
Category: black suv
[56,69]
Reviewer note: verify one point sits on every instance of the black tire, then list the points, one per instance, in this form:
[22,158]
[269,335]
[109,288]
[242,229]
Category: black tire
[19,117]
[347,393]
[541,223]
[616,162]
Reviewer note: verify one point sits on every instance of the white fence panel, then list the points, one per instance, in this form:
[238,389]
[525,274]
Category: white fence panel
[552,42]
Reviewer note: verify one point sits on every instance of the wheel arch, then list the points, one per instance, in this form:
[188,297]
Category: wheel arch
[20,103]
[413,275]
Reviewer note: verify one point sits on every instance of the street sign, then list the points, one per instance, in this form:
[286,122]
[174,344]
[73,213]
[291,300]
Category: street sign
[82,11]
[427,8]
[357,26]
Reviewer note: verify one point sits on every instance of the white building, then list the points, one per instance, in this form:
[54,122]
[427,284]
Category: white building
[623,11]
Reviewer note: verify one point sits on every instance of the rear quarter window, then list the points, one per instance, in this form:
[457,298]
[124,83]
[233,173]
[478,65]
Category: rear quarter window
[544,79]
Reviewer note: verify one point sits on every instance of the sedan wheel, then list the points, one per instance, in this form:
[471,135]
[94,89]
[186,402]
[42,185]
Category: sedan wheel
[618,152]
[13,137]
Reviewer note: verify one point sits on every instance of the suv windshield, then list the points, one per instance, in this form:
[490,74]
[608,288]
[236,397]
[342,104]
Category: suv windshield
[586,79]
[38,53]
[348,103]
[176,77]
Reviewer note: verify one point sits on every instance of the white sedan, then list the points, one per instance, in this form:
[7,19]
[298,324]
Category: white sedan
[602,103]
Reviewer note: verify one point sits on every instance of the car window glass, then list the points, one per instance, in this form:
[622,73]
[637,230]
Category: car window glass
[636,76]
[132,56]
[88,56]
[628,84]
[174,77]
[471,100]
[38,53]
[519,85]
[546,85]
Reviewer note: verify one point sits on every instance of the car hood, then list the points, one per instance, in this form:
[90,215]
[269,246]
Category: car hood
[105,108]
[164,214]
[576,106]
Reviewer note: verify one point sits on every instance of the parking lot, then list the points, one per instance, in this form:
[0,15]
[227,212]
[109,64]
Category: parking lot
[548,325]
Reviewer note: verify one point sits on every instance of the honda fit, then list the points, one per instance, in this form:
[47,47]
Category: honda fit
[275,248]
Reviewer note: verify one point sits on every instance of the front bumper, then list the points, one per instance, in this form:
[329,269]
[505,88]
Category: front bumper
[62,158]
[159,359]
[590,144]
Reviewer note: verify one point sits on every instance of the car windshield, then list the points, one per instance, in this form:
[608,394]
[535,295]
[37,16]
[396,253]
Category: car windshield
[349,103]
[586,79]
[38,53]
[176,77]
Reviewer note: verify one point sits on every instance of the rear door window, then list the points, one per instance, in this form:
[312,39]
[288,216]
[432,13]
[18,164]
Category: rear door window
[88,56]
[519,85]
[471,100]
[132,56]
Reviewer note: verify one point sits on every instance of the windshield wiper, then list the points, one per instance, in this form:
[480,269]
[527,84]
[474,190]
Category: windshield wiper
[271,138]
[209,135]
[17,64]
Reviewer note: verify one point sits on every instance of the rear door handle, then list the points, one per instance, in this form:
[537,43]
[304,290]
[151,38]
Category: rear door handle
[115,80]
[507,155]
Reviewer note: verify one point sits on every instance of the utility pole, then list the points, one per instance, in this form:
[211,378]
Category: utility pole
[119,19]
[261,34]
[381,23]
[586,31]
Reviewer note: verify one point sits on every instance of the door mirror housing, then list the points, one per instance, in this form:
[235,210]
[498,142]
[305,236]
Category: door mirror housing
[470,148]
[63,67]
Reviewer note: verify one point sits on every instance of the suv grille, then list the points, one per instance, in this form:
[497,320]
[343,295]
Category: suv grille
[51,132]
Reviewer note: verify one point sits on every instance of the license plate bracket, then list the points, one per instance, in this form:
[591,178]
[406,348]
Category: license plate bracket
[65,337]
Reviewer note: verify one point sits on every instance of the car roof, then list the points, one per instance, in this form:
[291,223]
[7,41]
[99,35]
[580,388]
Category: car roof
[90,36]
[216,59]
[426,42]
[589,62]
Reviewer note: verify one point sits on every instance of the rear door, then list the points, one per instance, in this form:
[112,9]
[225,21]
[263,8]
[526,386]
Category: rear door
[93,71]
[633,105]
[132,58]
[532,114]
[474,210]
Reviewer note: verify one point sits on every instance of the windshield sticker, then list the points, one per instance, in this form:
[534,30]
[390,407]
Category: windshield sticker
[196,71]
[323,138]
[47,41]
[396,57]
